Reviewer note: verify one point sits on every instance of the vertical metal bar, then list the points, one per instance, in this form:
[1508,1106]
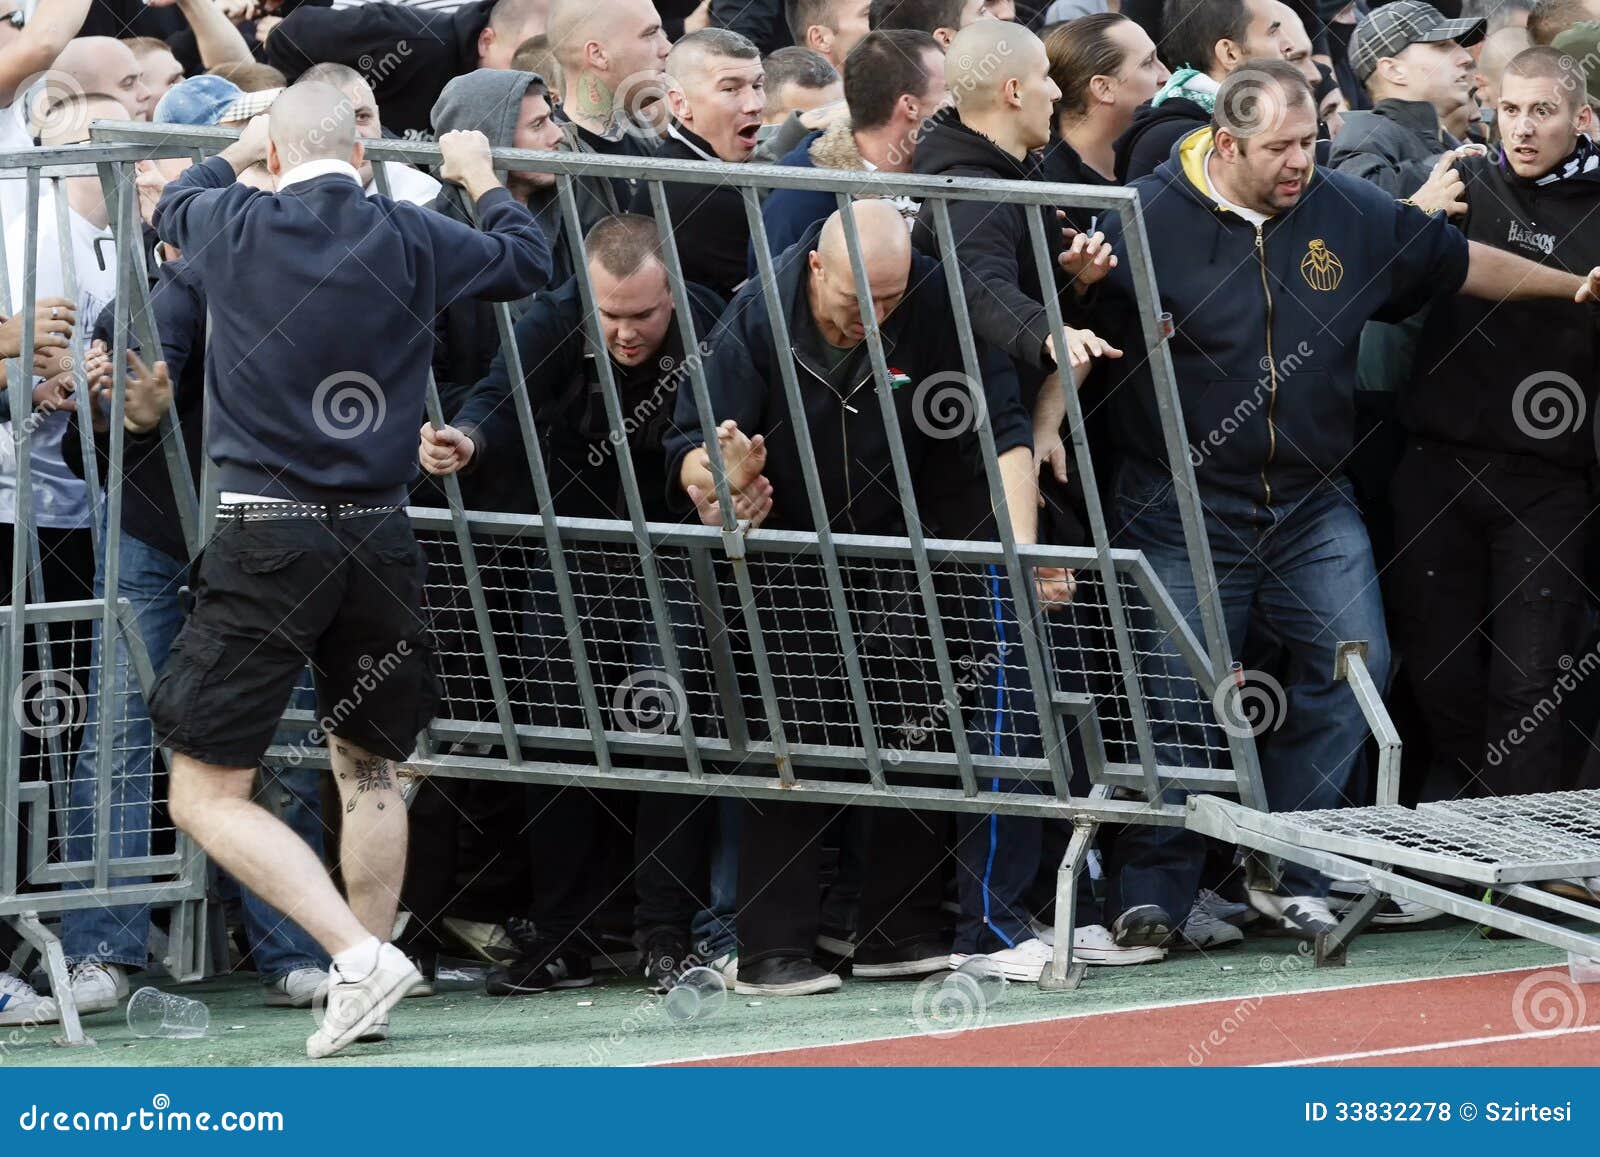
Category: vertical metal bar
[555,554]
[1063,973]
[480,605]
[733,534]
[1021,578]
[1246,766]
[902,472]
[826,549]
[1115,609]
[209,495]
[80,381]
[722,666]
[110,633]
[666,637]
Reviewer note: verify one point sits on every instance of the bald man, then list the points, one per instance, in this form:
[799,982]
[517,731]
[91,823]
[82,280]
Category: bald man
[779,856]
[312,426]
[1004,100]
[100,64]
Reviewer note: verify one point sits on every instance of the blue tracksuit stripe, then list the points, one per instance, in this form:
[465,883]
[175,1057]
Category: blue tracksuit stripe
[997,723]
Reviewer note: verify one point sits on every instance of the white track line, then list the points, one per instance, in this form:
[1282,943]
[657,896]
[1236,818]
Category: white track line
[1193,1001]
[1402,1050]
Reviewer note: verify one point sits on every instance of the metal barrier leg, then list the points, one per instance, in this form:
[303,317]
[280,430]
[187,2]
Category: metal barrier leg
[55,962]
[1331,945]
[1065,974]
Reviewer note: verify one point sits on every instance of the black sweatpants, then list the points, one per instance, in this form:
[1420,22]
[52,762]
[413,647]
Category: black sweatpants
[1486,606]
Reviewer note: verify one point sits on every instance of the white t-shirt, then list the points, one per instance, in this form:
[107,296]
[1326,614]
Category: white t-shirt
[60,498]
[406,184]
[14,137]
[1250,215]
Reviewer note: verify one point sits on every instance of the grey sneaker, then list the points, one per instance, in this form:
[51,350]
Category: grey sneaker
[1202,930]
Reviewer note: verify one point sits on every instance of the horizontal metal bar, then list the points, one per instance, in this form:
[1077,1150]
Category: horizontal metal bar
[76,871]
[148,146]
[74,899]
[687,172]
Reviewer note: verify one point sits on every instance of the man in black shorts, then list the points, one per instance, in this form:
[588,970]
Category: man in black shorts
[321,300]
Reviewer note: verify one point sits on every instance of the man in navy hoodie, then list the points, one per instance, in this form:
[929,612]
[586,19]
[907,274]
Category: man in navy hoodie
[1269,268]
[318,361]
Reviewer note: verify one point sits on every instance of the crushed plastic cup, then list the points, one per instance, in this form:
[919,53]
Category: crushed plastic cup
[699,994]
[979,981]
[153,1013]
[1584,969]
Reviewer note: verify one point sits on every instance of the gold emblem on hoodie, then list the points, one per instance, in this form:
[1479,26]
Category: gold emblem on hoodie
[1321,268]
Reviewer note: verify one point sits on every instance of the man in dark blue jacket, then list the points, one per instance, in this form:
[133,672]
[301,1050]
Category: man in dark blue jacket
[1269,268]
[325,328]
[778,863]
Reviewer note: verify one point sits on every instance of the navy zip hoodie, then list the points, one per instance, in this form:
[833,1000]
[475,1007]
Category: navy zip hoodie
[321,346]
[848,435]
[1266,321]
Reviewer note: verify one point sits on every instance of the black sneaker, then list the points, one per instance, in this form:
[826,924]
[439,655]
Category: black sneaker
[784,976]
[1144,926]
[918,958]
[664,956]
[567,968]
[426,962]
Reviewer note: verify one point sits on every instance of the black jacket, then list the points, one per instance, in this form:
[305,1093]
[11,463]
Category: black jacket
[849,438]
[1394,146]
[320,346]
[1266,321]
[763,21]
[407,56]
[708,221]
[575,434]
[1063,165]
[999,274]
[1476,383]
[1147,142]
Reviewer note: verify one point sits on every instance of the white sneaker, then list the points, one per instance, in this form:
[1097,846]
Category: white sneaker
[1202,929]
[728,965]
[354,1007]
[97,987]
[1024,962]
[296,990]
[1303,916]
[1092,944]
[21,1005]
[377,1034]
[1392,910]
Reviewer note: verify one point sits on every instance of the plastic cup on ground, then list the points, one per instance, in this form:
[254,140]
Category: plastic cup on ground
[1584,969]
[979,979]
[699,994]
[153,1013]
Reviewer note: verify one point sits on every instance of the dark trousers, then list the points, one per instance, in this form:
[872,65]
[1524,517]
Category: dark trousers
[780,864]
[466,855]
[1487,597]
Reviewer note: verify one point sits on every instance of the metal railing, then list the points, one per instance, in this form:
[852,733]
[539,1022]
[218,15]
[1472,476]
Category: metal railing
[786,665]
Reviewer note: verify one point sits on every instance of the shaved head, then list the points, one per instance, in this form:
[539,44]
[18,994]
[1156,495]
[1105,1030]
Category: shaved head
[831,288]
[312,122]
[67,121]
[101,64]
[984,56]
[574,24]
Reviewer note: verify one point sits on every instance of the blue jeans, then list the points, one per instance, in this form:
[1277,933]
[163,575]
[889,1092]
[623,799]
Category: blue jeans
[712,931]
[150,580]
[1302,574]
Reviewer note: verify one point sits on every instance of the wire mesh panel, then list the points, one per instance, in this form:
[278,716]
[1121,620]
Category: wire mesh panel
[81,836]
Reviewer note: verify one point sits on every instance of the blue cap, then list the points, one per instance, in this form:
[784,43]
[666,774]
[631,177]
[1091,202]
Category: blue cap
[200,100]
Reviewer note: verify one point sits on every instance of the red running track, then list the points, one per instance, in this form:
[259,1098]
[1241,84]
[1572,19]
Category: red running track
[1526,1017]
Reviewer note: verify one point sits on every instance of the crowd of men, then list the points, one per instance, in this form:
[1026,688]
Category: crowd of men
[1369,226]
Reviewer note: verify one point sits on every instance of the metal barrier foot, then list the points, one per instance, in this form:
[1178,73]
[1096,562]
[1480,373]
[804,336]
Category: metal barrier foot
[1063,974]
[55,963]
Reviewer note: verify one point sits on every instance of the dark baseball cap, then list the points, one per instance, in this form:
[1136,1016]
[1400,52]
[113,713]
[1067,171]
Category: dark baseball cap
[1390,30]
